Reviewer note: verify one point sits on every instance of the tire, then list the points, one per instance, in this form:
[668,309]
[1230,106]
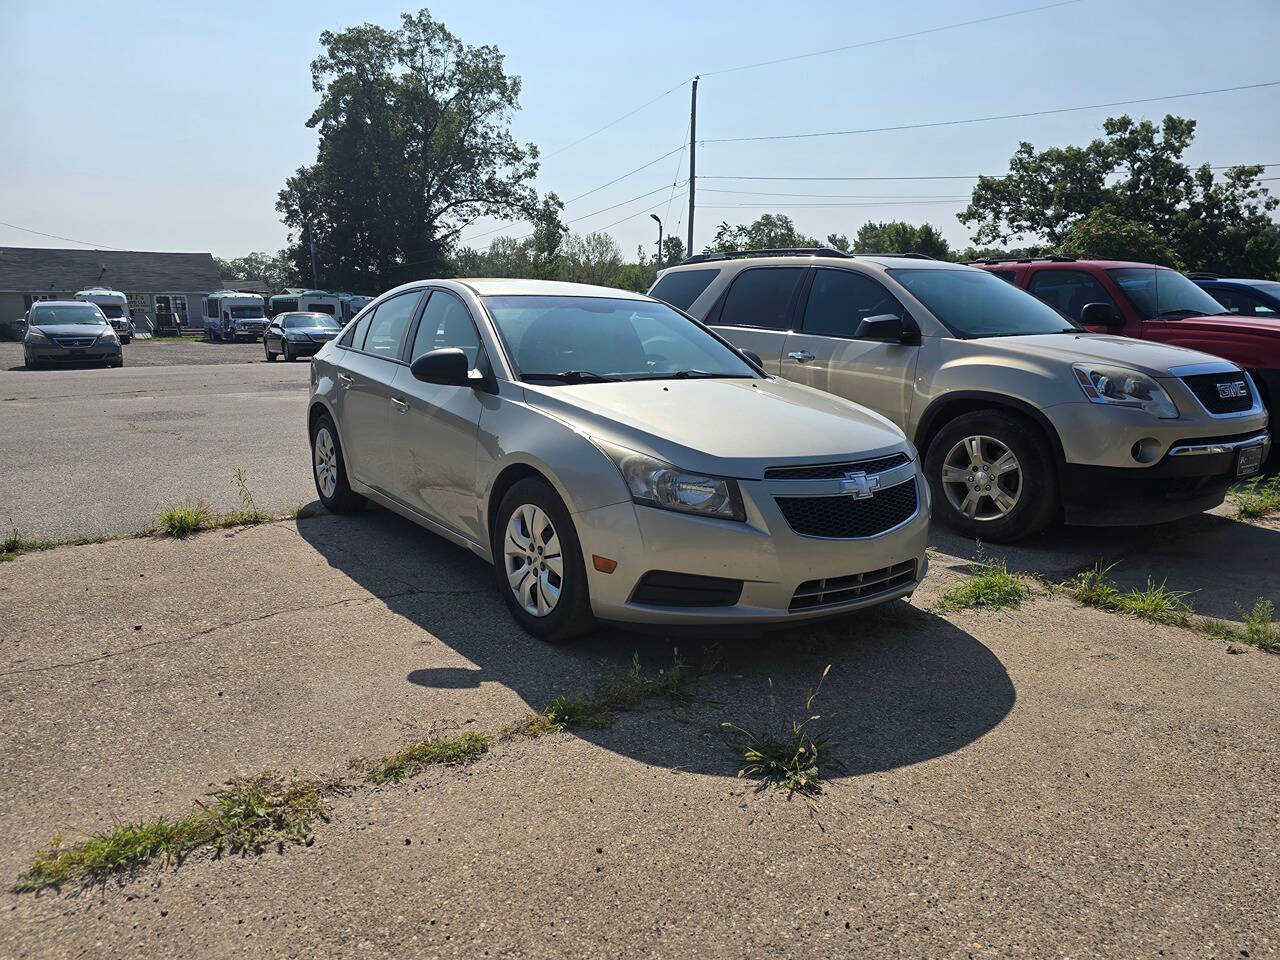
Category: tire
[329,469]
[285,351]
[570,614]
[271,357]
[1030,499]
[126,339]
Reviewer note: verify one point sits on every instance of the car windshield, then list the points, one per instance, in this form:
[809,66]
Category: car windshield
[245,313]
[974,303]
[1161,292]
[66,313]
[589,339]
[113,310]
[311,320]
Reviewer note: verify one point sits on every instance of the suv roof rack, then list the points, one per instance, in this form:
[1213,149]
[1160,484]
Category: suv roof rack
[1204,275]
[775,252]
[903,256]
[1052,258]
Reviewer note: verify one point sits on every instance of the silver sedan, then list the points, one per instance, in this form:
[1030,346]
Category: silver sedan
[614,459]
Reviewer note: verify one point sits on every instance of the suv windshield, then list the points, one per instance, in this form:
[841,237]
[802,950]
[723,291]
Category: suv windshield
[975,303]
[589,339]
[311,320]
[1161,292]
[67,313]
[245,313]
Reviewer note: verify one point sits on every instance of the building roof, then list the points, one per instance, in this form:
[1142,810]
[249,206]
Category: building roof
[248,286]
[38,269]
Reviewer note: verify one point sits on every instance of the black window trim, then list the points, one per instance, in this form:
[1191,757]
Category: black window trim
[716,314]
[909,324]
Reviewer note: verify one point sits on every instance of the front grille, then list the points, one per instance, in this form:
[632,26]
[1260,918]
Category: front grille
[75,341]
[845,518]
[834,471]
[1209,387]
[662,588]
[856,586]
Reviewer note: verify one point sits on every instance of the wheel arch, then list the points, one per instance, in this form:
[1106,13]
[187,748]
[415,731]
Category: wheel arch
[507,477]
[946,408]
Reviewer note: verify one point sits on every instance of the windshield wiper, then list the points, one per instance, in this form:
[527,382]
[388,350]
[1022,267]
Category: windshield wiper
[694,375]
[1180,311]
[571,376]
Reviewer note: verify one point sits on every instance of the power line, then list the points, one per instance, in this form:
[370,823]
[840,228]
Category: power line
[828,206]
[900,36]
[1003,116]
[54,236]
[631,113]
[960,176]
[841,196]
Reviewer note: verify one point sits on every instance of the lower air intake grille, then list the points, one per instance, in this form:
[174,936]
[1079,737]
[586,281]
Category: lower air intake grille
[662,588]
[845,518]
[857,586]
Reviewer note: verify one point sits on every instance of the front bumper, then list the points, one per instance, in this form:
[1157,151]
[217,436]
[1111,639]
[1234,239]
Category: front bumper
[247,328]
[53,353]
[784,577]
[305,348]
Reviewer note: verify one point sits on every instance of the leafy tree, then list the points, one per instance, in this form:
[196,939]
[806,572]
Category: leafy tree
[547,239]
[593,258]
[896,236]
[1135,173]
[770,231]
[277,271]
[414,145]
[1102,235]
[838,241]
[672,250]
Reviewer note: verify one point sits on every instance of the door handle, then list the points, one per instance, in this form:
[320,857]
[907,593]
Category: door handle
[401,405]
[801,356]
[346,379]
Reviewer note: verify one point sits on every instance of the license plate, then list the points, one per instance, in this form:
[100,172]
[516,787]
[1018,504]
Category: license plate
[77,353]
[1249,461]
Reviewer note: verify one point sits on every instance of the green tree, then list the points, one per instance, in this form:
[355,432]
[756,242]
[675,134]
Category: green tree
[593,258]
[770,232]
[547,240]
[1103,235]
[414,145]
[897,236]
[277,271]
[672,250]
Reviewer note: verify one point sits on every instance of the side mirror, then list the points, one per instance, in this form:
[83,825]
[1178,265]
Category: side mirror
[753,357]
[1100,315]
[447,366]
[887,327]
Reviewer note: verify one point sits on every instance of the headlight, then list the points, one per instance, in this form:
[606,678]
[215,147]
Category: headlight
[1125,388]
[656,483]
[36,335]
[109,337]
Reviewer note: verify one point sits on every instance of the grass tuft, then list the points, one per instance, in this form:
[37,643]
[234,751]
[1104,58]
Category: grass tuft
[795,761]
[532,726]
[1259,628]
[184,519]
[1256,498]
[248,514]
[618,690]
[436,751]
[1156,603]
[990,584]
[244,816]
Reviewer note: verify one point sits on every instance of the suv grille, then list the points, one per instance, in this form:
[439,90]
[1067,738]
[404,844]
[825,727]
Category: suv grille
[75,341]
[837,590]
[834,471]
[846,518]
[662,588]
[1222,392]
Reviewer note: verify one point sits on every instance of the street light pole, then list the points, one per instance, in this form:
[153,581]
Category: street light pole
[658,259]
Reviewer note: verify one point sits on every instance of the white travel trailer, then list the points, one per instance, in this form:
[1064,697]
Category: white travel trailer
[114,305]
[352,303]
[230,315]
[307,301]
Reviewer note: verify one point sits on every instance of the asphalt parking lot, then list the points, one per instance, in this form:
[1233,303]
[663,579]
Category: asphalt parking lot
[1048,781]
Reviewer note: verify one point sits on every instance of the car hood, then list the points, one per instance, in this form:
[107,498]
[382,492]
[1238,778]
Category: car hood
[732,427]
[1153,359]
[73,330]
[1232,322]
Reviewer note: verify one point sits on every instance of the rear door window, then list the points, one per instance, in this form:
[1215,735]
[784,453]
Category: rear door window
[761,297]
[1068,291]
[683,287]
[388,325]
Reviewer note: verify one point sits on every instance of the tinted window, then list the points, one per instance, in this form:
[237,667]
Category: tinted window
[1241,303]
[1158,292]
[1067,291]
[680,289]
[388,324]
[354,337]
[446,323]
[759,297]
[841,299]
[973,303]
[1010,275]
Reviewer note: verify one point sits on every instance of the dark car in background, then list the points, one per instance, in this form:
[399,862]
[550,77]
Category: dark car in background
[293,335]
[62,332]
[1258,299]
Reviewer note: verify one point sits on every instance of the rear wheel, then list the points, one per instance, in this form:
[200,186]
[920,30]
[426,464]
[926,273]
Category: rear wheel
[329,469]
[992,476]
[538,563]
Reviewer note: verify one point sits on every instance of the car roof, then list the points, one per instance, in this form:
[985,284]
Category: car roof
[795,260]
[62,303]
[1238,281]
[496,286]
[1059,263]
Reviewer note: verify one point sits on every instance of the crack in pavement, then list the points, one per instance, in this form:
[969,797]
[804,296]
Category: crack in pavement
[110,654]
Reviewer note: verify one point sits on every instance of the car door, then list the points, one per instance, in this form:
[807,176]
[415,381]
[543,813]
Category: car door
[365,373]
[827,353]
[434,427]
[273,333]
[755,311]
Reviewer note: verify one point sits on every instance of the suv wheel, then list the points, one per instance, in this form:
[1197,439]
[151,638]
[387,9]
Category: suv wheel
[992,476]
[538,563]
[329,469]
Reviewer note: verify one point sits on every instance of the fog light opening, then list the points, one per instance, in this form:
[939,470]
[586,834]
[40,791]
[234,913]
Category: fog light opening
[1147,450]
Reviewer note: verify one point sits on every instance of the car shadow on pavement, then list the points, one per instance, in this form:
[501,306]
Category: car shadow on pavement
[904,685]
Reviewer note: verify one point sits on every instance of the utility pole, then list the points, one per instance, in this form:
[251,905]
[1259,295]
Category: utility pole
[311,242]
[693,146]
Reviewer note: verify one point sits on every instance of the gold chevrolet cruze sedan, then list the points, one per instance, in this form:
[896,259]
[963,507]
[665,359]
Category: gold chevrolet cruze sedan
[614,459]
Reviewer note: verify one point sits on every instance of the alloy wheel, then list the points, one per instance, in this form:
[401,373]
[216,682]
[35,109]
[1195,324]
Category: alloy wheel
[982,478]
[326,462]
[532,560]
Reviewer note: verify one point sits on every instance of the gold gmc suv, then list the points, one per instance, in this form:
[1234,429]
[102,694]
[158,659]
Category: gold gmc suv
[1022,418]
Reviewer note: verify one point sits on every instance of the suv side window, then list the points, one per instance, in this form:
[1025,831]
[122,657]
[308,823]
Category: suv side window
[1067,291]
[1240,303]
[387,326]
[839,300]
[760,297]
[683,287]
[446,323]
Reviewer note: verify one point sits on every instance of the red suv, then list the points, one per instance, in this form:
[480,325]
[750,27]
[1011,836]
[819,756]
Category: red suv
[1151,303]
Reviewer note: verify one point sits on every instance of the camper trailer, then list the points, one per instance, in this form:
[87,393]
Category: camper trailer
[307,301]
[114,305]
[352,303]
[231,315]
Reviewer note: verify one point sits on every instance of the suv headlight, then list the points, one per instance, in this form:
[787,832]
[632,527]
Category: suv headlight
[109,336]
[1124,388]
[656,483]
[36,335]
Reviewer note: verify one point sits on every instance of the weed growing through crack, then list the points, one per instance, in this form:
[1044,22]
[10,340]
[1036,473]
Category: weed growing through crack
[795,761]
[617,690]
[1259,627]
[15,544]
[248,514]
[184,520]
[435,751]
[1257,498]
[246,815]
[1156,603]
[989,584]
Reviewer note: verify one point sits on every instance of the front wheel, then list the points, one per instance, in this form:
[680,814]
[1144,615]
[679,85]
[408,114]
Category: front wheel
[993,477]
[286,352]
[329,469]
[538,563]
[265,346]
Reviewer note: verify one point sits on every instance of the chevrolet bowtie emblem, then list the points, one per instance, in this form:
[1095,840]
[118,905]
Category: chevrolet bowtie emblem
[859,485]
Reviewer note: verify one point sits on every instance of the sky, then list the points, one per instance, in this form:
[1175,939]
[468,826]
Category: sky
[168,126]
